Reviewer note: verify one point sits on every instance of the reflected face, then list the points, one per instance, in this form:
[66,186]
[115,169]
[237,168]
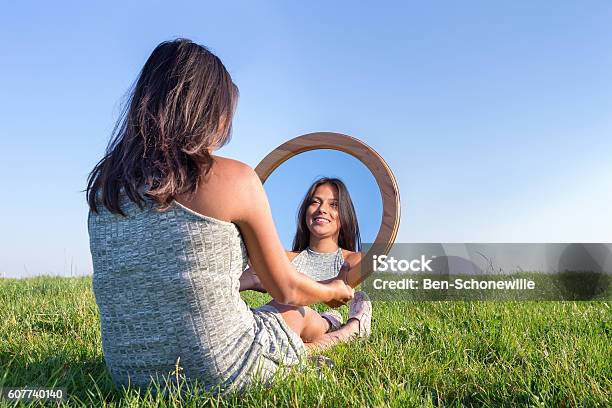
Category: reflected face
[322,217]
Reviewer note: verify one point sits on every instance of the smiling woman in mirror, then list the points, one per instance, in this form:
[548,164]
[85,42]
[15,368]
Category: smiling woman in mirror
[327,232]
[326,244]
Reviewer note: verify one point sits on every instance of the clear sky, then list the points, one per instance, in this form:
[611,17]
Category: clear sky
[495,117]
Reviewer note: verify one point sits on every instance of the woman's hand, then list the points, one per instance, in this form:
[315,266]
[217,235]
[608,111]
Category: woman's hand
[342,277]
[343,292]
[250,281]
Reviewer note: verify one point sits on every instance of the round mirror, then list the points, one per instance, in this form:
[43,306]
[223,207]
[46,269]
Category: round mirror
[369,180]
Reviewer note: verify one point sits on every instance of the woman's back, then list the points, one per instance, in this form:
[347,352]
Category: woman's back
[166,284]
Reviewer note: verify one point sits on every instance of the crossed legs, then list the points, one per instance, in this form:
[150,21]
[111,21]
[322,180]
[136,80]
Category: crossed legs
[312,328]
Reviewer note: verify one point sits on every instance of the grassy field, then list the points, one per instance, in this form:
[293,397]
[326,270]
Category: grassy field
[420,354]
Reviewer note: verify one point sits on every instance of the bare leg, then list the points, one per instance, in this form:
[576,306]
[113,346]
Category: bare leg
[312,328]
[327,340]
[358,325]
[303,320]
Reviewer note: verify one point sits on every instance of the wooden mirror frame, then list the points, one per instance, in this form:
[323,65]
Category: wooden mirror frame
[385,179]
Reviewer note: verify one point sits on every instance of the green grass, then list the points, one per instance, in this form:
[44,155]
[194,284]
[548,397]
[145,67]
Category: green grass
[420,354]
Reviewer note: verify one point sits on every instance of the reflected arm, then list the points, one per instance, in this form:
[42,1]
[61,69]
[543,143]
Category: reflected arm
[250,281]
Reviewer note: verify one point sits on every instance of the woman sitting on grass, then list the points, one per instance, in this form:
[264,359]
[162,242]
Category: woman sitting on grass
[170,226]
[327,237]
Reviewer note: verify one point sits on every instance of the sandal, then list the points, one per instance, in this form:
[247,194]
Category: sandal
[334,318]
[361,311]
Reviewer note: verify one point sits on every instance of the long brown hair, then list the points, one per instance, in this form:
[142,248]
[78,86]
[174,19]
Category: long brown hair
[349,237]
[181,106]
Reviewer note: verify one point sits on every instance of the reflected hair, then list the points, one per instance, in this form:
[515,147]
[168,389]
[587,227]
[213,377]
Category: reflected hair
[349,237]
[180,107]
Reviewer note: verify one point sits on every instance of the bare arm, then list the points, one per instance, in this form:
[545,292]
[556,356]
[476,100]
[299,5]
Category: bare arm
[356,273]
[250,281]
[350,273]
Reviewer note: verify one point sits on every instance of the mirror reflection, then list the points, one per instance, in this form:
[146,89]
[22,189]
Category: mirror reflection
[312,193]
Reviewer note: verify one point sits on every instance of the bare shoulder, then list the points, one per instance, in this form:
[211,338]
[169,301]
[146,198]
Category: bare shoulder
[291,255]
[229,163]
[223,192]
[234,177]
[223,166]
[352,257]
[238,190]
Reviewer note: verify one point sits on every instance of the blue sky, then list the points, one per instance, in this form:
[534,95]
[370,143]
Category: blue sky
[495,118]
